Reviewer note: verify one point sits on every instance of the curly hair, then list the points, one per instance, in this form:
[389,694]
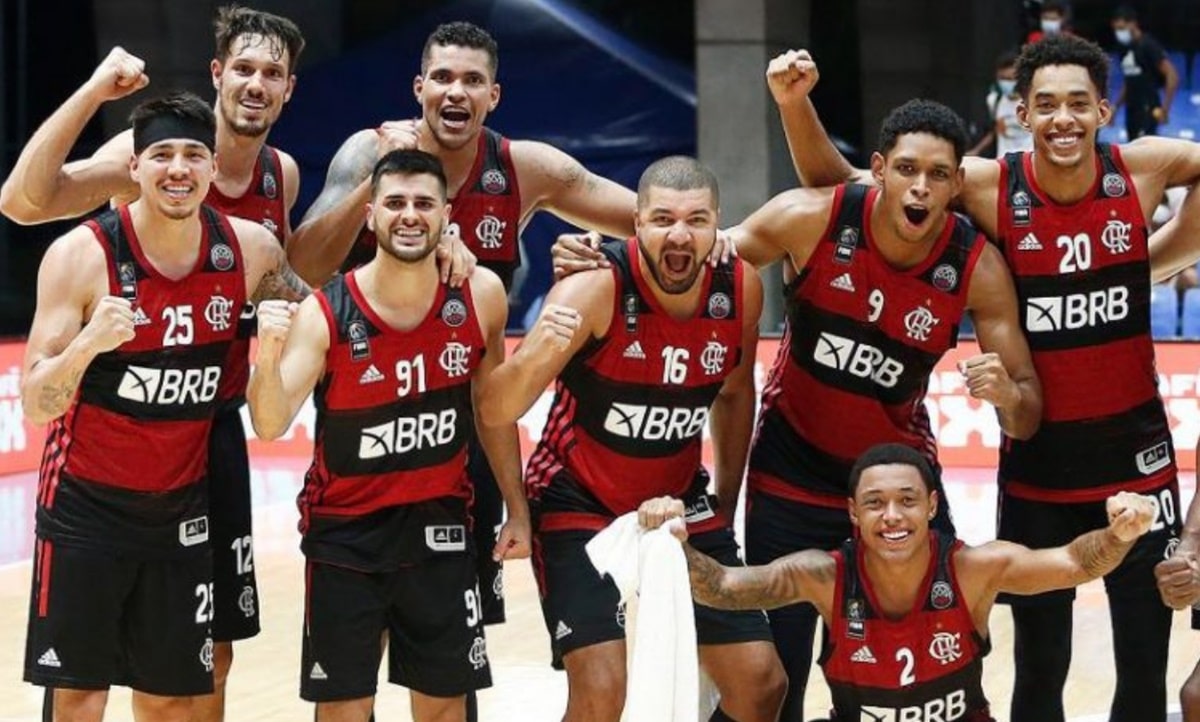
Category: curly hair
[1062,50]
[923,116]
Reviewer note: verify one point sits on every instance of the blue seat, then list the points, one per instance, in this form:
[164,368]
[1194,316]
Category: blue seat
[1164,312]
[1191,314]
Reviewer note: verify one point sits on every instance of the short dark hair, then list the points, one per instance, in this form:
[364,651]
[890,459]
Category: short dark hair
[1006,59]
[885,454]
[1055,6]
[923,116]
[409,162]
[233,21]
[464,35]
[1062,49]
[677,172]
[1126,13]
[181,110]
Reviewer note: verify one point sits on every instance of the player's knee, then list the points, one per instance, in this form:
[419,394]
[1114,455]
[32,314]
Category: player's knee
[597,682]
[222,662]
[1189,697]
[758,689]
[79,705]
[162,708]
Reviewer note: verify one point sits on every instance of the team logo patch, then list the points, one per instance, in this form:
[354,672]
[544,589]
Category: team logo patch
[455,359]
[206,654]
[856,628]
[1172,545]
[846,243]
[941,595]
[221,256]
[919,322]
[630,303]
[218,312]
[127,276]
[945,278]
[478,654]
[945,647]
[1153,459]
[490,232]
[269,186]
[246,601]
[621,615]
[494,181]
[699,510]
[1115,237]
[1114,185]
[454,312]
[712,358]
[719,306]
[1020,199]
[498,584]
[360,347]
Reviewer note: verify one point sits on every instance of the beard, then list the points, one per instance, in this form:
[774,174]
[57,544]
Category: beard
[242,127]
[670,287]
[408,254]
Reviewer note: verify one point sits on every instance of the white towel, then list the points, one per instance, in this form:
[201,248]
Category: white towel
[664,671]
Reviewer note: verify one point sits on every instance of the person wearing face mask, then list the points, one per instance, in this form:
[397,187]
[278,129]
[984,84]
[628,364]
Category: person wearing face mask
[1006,131]
[1146,68]
[1052,20]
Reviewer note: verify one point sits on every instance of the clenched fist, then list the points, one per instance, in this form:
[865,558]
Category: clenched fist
[1129,515]
[660,510]
[988,380]
[111,324]
[554,329]
[274,323]
[118,75]
[791,76]
[397,135]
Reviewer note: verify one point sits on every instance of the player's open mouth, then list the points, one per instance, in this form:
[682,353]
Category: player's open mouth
[677,263]
[455,117]
[916,215]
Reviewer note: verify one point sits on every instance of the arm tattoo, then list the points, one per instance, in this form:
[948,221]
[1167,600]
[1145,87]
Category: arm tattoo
[281,282]
[55,398]
[1099,552]
[572,173]
[756,587]
[345,173]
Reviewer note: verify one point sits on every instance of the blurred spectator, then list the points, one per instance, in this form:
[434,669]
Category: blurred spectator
[1054,18]
[1146,69]
[1007,132]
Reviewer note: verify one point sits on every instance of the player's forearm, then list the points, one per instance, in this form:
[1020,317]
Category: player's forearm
[271,411]
[503,450]
[732,423]
[1022,419]
[1097,553]
[513,387]
[814,156]
[32,191]
[317,249]
[1189,538]
[51,384]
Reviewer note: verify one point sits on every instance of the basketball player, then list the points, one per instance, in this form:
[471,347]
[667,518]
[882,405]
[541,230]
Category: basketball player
[1071,220]
[642,352]
[396,360]
[906,607]
[253,74]
[135,314]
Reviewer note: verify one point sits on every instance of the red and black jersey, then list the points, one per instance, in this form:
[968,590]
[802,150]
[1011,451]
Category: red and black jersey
[125,466]
[629,409]
[394,416]
[487,210]
[862,339]
[263,202]
[926,665]
[1083,283]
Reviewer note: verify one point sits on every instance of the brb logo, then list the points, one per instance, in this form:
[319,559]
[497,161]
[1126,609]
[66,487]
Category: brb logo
[940,709]
[655,423]
[857,359]
[169,387]
[408,433]
[1076,310]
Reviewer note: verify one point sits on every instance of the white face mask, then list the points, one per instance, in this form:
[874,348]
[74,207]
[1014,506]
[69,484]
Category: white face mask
[1051,27]
[1124,36]
[1006,86]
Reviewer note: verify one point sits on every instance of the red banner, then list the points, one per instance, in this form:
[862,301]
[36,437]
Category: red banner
[967,432]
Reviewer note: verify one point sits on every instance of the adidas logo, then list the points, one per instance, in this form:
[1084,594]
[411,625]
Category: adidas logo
[863,655]
[140,318]
[1029,243]
[49,658]
[633,350]
[318,673]
[843,282]
[561,630]
[370,376]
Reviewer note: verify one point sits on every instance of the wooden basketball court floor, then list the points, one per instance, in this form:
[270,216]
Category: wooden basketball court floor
[264,683]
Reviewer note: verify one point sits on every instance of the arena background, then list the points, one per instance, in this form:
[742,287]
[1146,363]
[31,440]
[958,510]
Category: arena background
[617,83]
